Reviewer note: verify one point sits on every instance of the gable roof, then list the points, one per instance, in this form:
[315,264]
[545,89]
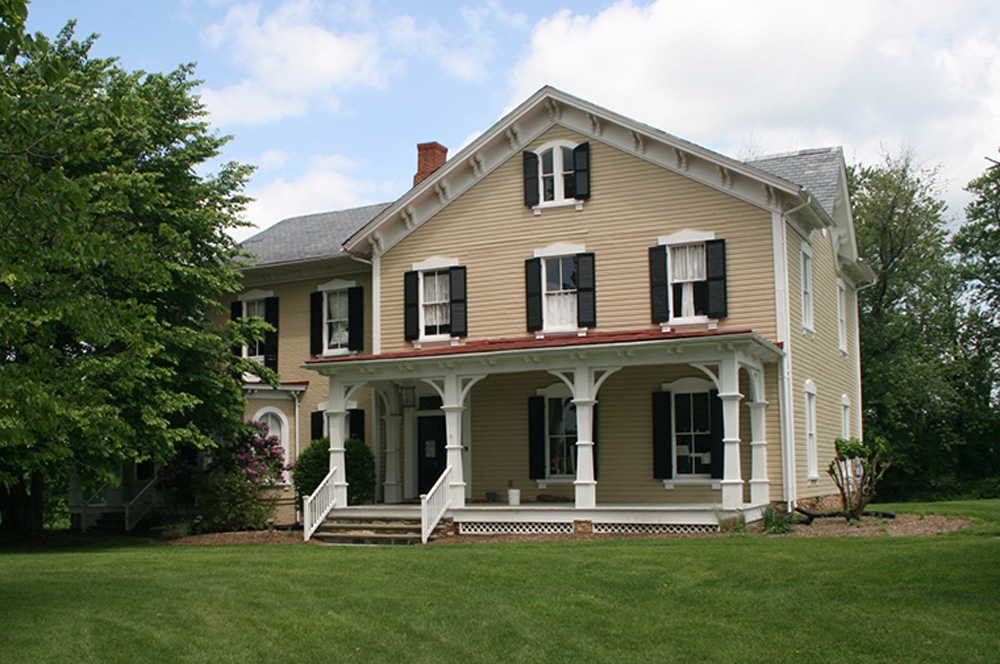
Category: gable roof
[308,237]
[816,169]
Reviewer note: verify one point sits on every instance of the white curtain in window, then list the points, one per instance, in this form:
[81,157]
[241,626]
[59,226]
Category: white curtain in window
[560,310]
[687,263]
[437,296]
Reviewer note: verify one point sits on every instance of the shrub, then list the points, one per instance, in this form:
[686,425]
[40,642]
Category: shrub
[313,465]
[856,470]
[777,523]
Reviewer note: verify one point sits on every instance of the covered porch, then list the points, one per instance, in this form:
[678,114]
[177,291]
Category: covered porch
[459,426]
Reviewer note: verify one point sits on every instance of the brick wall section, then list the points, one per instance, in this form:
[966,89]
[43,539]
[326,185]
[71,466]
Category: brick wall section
[430,157]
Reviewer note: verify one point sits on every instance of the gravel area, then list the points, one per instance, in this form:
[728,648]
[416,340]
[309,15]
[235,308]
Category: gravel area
[903,525]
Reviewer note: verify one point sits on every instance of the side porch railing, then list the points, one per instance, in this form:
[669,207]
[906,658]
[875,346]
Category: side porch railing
[316,506]
[93,507]
[140,506]
[434,504]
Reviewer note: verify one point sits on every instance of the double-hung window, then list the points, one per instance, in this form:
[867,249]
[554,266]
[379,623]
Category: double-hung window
[687,278]
[806,277]
[552,435]
[842,315]
[560,289]
[687,432]
[337,318]
[557,174]
[277,428]
[259,304]
[435,301]
[812,451]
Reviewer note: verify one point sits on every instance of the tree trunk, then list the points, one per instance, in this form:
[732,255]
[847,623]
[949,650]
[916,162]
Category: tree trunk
[21,509]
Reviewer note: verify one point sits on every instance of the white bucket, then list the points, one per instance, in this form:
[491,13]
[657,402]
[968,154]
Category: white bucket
[513,496]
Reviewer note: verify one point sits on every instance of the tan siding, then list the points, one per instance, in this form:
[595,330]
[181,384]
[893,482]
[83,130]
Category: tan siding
[499,444]
[817,357]
[488,230]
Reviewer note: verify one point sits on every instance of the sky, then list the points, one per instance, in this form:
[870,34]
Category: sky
[328,99]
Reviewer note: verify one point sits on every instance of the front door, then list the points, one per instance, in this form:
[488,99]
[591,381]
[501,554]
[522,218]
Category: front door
[431,455]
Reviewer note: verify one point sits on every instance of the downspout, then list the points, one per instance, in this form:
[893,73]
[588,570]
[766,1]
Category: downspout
[789,487]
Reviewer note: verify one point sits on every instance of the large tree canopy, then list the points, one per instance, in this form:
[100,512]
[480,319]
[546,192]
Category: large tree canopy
[926,371]
[113,259]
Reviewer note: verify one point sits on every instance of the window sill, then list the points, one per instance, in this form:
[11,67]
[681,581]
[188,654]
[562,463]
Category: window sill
[809,332]
[678,482]
[435,341]
[335,352]
[573,202]
[562,332]
[555,481]
[679,324]
[813,480]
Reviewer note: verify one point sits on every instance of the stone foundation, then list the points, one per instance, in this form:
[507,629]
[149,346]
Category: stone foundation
[583,527]
[830,503]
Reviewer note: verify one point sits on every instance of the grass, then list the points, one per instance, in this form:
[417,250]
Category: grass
[929,599]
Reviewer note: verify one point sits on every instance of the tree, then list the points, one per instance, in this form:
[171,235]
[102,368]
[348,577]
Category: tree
[926,373]
[978,241]
[313,465]
[856,470]
[113,260]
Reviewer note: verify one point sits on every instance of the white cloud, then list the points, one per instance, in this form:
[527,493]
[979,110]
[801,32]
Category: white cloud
[791,74]
[292,60]
[326,185]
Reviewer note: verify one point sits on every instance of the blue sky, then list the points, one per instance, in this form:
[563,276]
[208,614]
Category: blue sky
[329,99]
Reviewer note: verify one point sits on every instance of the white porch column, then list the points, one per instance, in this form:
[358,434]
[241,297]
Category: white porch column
[453,390]
[336,420]
[584,384]
[729,393]
[760,491]
[392,487]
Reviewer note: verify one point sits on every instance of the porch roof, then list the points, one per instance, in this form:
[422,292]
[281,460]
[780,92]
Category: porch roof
[526,353]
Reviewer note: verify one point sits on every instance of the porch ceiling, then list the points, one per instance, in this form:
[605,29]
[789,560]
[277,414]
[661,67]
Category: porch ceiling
[610,349]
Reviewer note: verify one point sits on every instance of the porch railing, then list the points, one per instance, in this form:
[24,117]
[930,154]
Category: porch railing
[434,504]
[316,506]
[140,506]
[93,507]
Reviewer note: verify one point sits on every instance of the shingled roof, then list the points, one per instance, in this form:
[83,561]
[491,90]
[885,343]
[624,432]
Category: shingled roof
[816,169]
[310,236]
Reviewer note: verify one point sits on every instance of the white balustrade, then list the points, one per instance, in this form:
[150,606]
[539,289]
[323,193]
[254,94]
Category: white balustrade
[93,507]
[139,506]
[433,505]
[316,506]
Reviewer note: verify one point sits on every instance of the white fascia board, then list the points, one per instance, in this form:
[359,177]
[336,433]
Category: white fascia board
[703,350]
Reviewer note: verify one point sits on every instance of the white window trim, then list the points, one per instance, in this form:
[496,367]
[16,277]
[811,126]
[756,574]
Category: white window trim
[553,391]
[688,385]
[685,236]
[432,264]
[557,250]
[286,479]
[807,287]
[328,287]
[560,199]
[842,315]
[252,296]
[812,450]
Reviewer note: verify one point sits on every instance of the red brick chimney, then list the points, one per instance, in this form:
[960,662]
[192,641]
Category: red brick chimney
[430,157]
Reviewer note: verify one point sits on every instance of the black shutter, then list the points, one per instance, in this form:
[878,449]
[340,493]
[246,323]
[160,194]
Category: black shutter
[581,170]
[316,322]
[459,313]
[533,293]
[316,421]
[715,271]
[271,338]
[663,453]
[411,305]
[236,313]
[586,304]
[530,178]
[356,423]
[658,293]
[718,428]
[536,437]
[356,318]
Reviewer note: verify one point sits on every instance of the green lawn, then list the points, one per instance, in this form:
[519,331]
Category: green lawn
[730,599]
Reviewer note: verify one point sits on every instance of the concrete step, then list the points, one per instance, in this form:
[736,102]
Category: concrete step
[353,530]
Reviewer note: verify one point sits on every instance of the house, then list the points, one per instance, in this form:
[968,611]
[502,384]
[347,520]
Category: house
[578,321]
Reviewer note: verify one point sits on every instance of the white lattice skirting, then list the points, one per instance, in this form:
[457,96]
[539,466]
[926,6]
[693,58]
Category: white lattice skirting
[543,528]
[512,528]
[654,528]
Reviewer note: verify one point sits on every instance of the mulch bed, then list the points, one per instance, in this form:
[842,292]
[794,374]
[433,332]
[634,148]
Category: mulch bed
[904,525]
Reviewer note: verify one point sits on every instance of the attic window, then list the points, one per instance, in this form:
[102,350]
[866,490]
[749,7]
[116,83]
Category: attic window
[558,174]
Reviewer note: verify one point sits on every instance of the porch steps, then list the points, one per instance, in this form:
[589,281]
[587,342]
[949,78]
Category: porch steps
[109,522]
[374,530]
